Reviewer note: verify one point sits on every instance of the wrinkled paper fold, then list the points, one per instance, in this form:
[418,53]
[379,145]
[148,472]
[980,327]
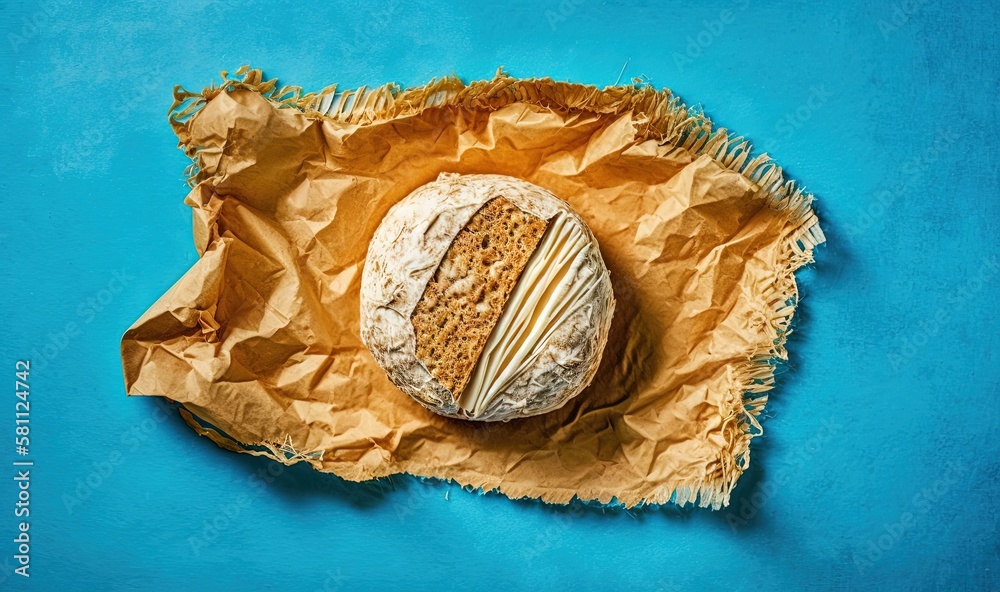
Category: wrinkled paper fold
[259,340]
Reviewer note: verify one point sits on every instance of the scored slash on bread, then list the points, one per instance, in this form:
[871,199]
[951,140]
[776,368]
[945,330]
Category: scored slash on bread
[465,298]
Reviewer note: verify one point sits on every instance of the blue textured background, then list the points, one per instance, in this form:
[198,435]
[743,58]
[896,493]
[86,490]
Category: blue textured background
[879,461]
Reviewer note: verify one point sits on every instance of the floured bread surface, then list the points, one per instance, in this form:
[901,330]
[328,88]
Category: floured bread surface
[485,297]
[467,294]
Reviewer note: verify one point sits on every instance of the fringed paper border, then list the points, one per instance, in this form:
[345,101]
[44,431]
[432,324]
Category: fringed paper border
[662,117]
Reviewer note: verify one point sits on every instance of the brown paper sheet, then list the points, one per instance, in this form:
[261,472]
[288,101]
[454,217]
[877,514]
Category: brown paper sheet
[260,340]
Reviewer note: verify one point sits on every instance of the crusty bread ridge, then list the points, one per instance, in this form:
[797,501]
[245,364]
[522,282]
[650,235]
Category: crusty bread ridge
[467,294]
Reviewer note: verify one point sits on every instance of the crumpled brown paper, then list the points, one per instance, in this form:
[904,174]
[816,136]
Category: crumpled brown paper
[260,340]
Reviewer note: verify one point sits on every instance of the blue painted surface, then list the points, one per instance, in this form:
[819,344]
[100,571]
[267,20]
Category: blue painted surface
[888,112]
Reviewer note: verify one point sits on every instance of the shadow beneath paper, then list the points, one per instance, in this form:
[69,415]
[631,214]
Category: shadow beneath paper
[754,491]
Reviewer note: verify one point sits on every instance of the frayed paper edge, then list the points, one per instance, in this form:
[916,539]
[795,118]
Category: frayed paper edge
[661,116]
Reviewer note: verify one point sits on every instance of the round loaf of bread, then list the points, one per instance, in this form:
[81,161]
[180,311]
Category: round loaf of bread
[485,297]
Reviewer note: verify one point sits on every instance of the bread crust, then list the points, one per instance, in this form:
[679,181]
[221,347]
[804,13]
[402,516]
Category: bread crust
[406,251]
